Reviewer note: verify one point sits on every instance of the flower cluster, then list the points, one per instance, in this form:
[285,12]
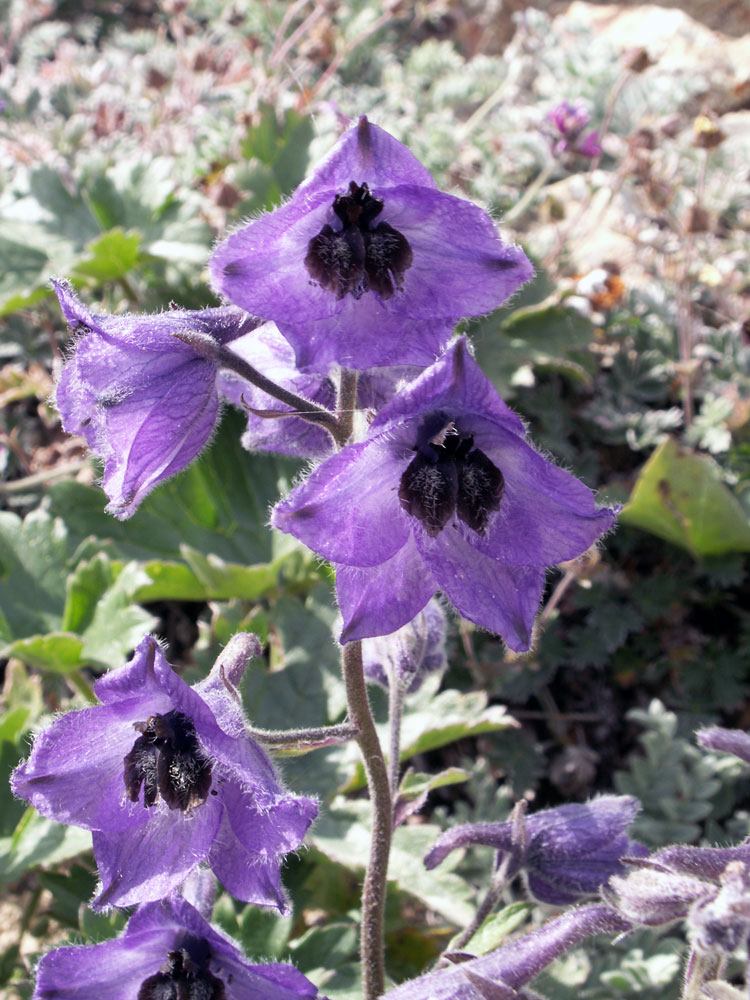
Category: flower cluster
[337,339]
[569,123]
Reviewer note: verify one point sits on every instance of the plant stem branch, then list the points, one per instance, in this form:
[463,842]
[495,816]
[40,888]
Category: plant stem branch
[304,737]
[395,712]
[373,894]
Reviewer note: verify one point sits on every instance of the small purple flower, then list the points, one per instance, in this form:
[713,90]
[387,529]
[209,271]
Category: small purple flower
[145,401]
[410,654]
[502,974]
[569,121]
[734,741]
[167,950]
[166,778]
[443,494]
[567,852]
[368,264]
[266,350]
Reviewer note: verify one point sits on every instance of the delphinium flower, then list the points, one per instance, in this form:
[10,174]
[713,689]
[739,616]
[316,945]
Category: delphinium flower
[566,853]
[502,974]
[167,952]
[409,655]
[443,494]
[145,401]
[570,121]
[166,778]
[368,264]
[271,426]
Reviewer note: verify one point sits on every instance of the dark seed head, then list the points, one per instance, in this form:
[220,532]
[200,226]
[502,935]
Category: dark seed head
[181,979]
[168,761]
[358,258]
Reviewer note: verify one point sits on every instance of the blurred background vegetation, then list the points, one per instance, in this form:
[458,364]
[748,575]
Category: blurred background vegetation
[132,136]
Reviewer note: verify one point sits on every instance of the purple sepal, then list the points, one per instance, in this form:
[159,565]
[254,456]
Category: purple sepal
[388,564]
[456,265]
[409,655]
[570,851]
[145,401]
[77,773]
[158,935]
[513,965]
[734,741]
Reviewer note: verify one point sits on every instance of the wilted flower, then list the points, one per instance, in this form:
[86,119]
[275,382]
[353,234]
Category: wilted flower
[443,494]
[368,264]
[570,121]
[502,974]
[166,778]
[410,654]
[567,852]
[167,951]
[145,401]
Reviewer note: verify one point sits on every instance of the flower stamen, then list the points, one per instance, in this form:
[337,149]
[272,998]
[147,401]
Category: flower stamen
[168,761]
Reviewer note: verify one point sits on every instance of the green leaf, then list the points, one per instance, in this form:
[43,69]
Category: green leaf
[70,892]
[263,933]
[11,808]
[111,256]
[323,950]
[33,555]
[57,651]
[547,337]
[22,271]
[22,699]
[39,841]
[222,580]
[680,497]
[169,581]
[118,624]
[343,834]
[497,927]
[415,784]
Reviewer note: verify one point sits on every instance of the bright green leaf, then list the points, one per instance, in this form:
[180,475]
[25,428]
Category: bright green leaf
[57,651]
[112,256]
[497,927]
[680,497]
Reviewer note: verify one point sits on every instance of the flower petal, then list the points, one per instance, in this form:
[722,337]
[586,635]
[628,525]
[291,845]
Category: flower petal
[348,509]
[367,155]
[75,773]
[497,596]
[145,864]
[377,600]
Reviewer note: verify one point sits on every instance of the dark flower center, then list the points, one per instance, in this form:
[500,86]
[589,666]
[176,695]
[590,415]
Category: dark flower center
[181,979]
[447,475]
[168,761]
[359,257]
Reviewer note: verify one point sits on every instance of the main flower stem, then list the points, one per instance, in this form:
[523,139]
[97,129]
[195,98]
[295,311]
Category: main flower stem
[372,943]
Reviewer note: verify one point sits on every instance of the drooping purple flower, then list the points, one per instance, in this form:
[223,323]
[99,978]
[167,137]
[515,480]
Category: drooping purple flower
[167,951]
[443,494]
[368,264]
[272,354]
[166,778]
[145,401]
[734,741]
[569,121]
[502,974]
[409,655]
[567,853]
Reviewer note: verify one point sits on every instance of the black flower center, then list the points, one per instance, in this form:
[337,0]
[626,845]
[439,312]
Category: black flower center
[359,257]
[168,761]
[181,979]
[447,475]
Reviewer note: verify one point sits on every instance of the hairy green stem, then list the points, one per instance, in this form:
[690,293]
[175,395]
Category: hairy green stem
[395,712]
[302,737]
[373,894]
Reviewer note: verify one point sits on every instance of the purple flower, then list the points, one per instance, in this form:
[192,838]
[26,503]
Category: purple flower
[443,494]
[166,778]
[567,852]
[167,950]
[734,741]
[272,354]
[410,654]
[145,401]
[569,121]
[368,264]
[502,974]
